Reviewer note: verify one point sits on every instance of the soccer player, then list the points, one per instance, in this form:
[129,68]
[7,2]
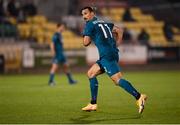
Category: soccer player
[58,56]
[101,33]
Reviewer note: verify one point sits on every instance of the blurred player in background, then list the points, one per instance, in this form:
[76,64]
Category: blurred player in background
[101,33]
[58,56]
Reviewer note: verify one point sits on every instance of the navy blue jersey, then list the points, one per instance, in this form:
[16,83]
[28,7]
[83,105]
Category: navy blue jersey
[101,34]
[58,44]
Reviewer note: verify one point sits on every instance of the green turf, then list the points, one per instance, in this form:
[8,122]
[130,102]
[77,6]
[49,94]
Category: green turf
[28,99]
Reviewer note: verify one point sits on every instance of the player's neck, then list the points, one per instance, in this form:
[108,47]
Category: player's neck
[59,31]
[91,18]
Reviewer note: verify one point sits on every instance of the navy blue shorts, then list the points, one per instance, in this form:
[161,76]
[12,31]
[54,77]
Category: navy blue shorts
[59,60]
[109,65]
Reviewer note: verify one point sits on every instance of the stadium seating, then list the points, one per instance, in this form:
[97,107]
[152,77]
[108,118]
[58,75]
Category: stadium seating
[146,21]
[13,57]
[39,28]
[24,30]
[7,30]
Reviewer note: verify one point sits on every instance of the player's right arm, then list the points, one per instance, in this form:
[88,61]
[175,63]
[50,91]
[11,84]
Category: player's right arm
[52,45]
[86,41]
[87,33]
[52,49]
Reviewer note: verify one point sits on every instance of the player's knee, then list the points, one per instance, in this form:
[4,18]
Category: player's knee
[53,68]
[116,78]
[116,81]
[90,74]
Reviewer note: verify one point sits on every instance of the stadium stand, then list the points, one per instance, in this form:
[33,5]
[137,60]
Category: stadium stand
[13,57]
[146,21]
[39,28]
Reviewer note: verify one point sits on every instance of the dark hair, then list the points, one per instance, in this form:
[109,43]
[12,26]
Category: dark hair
[60,24]
[89,8]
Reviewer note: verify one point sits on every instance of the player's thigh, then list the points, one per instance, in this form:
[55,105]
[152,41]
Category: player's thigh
[94,71]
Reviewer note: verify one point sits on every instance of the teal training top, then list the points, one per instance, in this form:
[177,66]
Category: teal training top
[101,34]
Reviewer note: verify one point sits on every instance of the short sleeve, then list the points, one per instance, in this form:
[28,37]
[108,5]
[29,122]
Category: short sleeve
[54,38]
[88,30]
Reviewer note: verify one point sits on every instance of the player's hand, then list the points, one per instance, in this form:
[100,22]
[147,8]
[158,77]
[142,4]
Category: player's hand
[115,35]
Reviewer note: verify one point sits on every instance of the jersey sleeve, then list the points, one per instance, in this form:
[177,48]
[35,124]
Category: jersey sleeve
[88,30]
[54,38]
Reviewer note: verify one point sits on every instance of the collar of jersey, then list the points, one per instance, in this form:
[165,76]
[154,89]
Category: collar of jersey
[94,18]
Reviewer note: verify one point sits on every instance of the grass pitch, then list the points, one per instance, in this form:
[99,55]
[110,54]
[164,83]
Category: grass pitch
[28,99]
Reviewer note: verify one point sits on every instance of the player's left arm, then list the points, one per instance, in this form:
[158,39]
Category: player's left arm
[86,41]
[118,34]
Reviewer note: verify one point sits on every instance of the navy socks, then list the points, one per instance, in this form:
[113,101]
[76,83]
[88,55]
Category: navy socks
[129,88]
[94,89]
[51,78]
[69,76]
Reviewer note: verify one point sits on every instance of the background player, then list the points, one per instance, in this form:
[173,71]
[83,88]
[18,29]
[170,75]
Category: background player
[58,56]
[100,32]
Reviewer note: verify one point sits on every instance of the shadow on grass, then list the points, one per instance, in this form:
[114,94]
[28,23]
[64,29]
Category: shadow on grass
[86,118]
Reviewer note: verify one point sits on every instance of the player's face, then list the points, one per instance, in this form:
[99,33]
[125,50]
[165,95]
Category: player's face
[61,28]
[87,15]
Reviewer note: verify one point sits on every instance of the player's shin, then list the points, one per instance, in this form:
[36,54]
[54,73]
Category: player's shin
[70,78]
[51,77]
[94,89]
[126,85]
